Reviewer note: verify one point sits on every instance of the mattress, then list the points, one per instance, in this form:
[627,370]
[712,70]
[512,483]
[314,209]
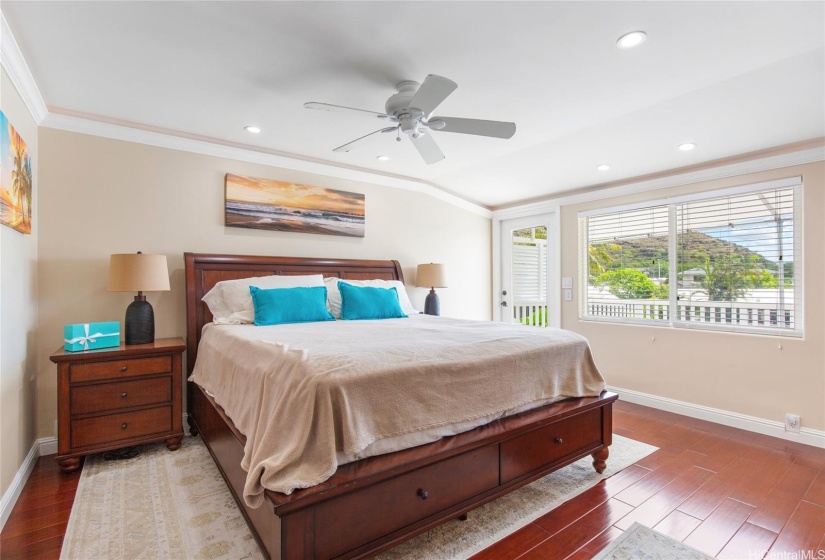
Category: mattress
[311,396]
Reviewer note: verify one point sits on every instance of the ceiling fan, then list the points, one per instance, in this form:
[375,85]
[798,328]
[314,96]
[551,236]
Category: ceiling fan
[411,108]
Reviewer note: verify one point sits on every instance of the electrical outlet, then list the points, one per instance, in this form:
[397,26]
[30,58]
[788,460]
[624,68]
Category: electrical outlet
[792,423]
[568,295]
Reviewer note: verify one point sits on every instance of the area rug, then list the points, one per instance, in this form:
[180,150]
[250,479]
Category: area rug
[643,543]
[176,505]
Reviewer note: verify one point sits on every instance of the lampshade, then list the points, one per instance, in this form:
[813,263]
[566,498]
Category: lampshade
[432,275]
[138,273]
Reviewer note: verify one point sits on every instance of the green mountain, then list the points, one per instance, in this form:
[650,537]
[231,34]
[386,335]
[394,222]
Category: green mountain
[648,253]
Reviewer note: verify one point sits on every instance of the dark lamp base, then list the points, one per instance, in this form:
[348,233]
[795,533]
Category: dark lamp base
[140,322]
[432,306]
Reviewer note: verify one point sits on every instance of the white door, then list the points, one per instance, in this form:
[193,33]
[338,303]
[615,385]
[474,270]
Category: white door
[529,271]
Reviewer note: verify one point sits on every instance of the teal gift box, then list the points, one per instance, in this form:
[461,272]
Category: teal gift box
[91,336]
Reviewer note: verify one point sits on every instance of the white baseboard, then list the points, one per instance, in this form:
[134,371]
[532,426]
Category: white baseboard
[48,446]
[43,446]
[724,417]
[40,447]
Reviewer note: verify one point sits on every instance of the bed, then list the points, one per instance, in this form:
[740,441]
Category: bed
[372,504]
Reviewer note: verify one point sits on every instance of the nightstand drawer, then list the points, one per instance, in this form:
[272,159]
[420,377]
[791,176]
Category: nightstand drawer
[125,425]
[88,399]
[120,368]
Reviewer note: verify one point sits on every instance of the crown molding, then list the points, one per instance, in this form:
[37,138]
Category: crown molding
[18,71]
[213,148]
[766,163]
[15,65]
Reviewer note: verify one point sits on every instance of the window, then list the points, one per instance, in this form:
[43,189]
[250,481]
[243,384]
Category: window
[725,260]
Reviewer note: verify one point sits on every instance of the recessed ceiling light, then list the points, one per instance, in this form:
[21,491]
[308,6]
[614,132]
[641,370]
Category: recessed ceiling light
[687,146]
[632,39]
[383,158]
[252,129]
[603,167]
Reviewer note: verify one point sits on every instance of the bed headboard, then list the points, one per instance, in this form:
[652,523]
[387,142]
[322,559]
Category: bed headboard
[204,270]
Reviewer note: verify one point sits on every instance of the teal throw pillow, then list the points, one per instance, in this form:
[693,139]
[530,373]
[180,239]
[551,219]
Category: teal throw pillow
[369,303]
[279,306]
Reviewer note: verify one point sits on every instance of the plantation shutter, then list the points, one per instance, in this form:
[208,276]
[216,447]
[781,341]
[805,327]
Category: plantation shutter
[529,271]
[735,257]
[626,256]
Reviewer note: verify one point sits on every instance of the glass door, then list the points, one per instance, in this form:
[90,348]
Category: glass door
[525,271]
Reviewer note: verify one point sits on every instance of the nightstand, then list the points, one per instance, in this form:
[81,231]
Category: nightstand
[117,397]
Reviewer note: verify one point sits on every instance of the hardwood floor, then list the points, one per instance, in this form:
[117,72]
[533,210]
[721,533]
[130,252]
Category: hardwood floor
[730,493]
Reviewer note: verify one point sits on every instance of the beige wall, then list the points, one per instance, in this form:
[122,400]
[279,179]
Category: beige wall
[18,310]
[745,374]
[105,196]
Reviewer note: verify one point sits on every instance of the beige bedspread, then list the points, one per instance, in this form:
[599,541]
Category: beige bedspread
[303,393]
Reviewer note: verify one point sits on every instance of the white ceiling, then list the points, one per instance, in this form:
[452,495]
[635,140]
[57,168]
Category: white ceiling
[732,77]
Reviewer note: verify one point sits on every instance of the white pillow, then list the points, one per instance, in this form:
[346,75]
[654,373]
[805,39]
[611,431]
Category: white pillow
[334,294]
[231,303]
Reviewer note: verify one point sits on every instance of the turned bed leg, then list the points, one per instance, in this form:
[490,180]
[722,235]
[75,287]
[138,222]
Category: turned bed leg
[600,459]
[69,465]
[193,428]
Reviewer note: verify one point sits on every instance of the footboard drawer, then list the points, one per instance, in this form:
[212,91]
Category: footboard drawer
[549,444]
[356,518]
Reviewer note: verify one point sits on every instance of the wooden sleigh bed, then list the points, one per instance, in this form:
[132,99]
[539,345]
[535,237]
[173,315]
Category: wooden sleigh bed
[376,503]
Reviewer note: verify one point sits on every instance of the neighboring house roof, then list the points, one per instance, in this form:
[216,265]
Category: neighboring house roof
[694,272]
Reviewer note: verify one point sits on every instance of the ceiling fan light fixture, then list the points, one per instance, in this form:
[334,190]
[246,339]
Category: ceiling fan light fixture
[632,39]
[410,108]
[687,146]
[252,129]
[602,167]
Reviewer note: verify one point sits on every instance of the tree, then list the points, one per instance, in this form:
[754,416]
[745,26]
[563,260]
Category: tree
[601,256]
[18,173]
[29,185]
[762,279]
[726,278]
[627,283]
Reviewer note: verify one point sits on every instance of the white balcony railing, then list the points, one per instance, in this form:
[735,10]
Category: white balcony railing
[718,312]
[531,313]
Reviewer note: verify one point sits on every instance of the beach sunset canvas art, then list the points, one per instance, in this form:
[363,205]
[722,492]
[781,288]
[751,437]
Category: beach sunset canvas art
[282,206]
[15,179]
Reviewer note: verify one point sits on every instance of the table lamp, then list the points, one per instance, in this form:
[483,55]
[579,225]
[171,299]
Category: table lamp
[139,273]
[432,275]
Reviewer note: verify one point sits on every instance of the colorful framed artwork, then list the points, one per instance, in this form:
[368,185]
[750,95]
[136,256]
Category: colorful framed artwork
[15,179]
[282,206]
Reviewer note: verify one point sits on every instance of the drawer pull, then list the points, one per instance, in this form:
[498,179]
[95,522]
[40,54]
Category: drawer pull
[123,426]
[559,440]
[123,395]
[423,494]
[122,368]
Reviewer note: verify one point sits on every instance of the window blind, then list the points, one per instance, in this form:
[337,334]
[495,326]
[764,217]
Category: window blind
[735,260]
[627,265]
[734,257]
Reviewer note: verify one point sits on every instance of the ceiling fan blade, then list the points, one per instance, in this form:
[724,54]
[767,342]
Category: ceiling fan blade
[432,92]
[350,145]
[341,109]
[427,147]
[494,129]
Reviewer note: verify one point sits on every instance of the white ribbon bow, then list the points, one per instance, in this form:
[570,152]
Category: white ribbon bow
[88,337]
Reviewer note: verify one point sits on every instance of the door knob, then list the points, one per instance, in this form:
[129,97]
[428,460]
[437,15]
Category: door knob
[504,304]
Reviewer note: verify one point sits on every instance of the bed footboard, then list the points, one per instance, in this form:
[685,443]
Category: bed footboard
[376,503]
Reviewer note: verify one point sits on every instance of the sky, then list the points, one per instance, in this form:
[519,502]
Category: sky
[280,193]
